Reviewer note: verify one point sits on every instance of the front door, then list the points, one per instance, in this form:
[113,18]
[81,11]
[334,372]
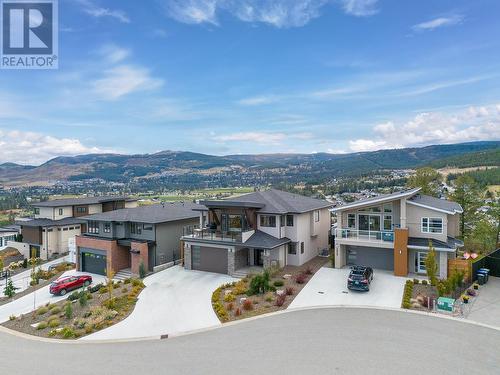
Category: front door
[420,262]
[257,257]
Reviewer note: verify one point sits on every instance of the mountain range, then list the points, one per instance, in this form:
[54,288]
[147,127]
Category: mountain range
[184,168]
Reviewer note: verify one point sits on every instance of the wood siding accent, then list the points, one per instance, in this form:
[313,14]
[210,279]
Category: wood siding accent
[401,252]
[460,265]
[32,235]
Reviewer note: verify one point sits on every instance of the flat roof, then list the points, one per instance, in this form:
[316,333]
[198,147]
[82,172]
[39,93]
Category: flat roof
[82,201]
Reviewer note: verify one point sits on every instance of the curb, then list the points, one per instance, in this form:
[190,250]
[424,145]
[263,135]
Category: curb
[242,321]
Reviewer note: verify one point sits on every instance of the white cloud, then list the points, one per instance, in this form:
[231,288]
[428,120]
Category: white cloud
[259,100]
[438,22]
[96,11]
[192,11]
[472,124]
[123,80]
[360,8]
[113,53]
[35,148]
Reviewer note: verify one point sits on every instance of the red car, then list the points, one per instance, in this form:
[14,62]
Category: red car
[64,284]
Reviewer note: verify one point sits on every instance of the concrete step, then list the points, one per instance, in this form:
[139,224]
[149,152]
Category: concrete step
[123,274]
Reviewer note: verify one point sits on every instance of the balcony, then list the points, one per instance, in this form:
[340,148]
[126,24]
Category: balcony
[209,234]
[356,235]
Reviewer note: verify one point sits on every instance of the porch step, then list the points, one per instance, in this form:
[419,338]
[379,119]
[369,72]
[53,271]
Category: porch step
[123,274]
[244,272]
[240,274]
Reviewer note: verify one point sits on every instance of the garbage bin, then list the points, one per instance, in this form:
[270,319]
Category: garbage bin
[481,278]
[486,272]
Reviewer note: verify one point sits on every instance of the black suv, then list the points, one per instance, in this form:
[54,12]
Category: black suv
[360,278]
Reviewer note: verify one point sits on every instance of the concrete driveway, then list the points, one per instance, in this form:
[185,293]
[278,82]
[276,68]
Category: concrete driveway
[39,298]
[175,300]
[486,307]
[329,287]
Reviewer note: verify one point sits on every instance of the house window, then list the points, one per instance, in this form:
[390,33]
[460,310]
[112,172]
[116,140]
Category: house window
[302,247]
[267,221]
[61,211]
[282,220]
[351,221]
[81,210]
[388,208]
[432,225]
[135,228]
[93,227]
[292,248]
[37,211]
[387,222]
[316,216]
[147,226]
[107,228]
[289,220]
[65,229]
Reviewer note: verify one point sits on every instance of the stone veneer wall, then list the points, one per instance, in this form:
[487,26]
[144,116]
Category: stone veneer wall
[230,262]
[187,257]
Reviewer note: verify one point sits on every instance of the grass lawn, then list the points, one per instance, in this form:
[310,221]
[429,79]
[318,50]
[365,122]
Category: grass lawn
[82,313]
[234,301]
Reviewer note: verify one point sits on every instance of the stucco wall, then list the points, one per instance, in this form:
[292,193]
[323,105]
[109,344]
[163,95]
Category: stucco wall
[414,216]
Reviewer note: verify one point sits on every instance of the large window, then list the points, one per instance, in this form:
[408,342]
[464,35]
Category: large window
[93,227]
[37,211]
[147,226]
[107,228]
[282,220]
[432,225]
[316,216]
[387,222]
[351,221]
[81,210]
[292,248]
[267,221]
[302,247]
[135,228]
[289,220]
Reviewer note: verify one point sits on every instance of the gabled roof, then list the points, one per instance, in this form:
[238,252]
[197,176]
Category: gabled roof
[153,214]
[82,201]
[436,204]
[379,199]
[272,202]
[265,241]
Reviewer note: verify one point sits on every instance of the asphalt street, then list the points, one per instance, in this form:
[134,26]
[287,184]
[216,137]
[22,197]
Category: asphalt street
[320,341]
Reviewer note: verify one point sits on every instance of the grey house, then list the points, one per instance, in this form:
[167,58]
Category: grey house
[123,239]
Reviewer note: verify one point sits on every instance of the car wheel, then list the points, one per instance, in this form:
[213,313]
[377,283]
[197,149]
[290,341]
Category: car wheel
[86,283]
[62,292]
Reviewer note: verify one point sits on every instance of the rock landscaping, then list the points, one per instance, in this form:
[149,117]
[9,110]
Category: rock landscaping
[270,291]
[85,311]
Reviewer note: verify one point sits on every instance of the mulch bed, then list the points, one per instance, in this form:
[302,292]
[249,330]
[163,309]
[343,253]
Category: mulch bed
[95,315]
[237,308]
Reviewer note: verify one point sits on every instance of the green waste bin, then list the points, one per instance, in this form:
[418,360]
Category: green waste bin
[445,304]
[481,278]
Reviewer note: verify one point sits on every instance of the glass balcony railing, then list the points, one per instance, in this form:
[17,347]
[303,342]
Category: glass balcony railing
[212,234]
[365,235]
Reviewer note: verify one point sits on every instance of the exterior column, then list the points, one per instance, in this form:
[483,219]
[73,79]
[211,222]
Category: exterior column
[402,216]
[266,258]
[230,261]
[187,256]
[443,265]
[400,252]
[339,255]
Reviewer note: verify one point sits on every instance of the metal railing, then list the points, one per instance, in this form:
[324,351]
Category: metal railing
[365,235]
[211,234]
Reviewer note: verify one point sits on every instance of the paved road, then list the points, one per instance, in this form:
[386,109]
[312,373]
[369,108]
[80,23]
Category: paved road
[175,300]
[326,341]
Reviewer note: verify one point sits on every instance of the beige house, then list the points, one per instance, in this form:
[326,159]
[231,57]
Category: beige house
[257,230]
[57,221]
[393,232]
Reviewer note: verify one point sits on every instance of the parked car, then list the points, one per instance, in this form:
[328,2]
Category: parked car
[64,284]
[360,278]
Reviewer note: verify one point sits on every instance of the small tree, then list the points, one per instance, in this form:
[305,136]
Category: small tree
[9,290]
[83,298]
[431,265]
[109,283]
[1,264]
[142,270]
[34,280]
[68,311]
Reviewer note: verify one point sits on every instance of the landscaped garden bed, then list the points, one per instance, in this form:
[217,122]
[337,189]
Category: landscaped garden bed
[263,293]
[85,311]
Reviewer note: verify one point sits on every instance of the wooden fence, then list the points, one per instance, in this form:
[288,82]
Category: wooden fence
[460,265]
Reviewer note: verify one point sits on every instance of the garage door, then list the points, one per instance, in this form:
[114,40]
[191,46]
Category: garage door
[94,263]
[209,259]
[371,257]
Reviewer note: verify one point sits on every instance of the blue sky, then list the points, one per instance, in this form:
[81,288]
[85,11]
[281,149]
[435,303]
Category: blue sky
[257,76]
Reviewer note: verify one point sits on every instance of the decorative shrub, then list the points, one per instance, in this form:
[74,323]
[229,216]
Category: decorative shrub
[247,305]
[83,299]
[278,283]
[68,310]
[56,310]
[68,333]
[240,288]
[229,297]
[280,300]
[237,312]
[42,310]
[126,281]
[308,271]
[471,292]
[269,298]
[12,317]
[53,323]
[301,279]
[137,282]
[142,270]
[425,282]
[220,311]
[41,325]
[230,307]
[289,291]
[259,284]
[406,304]
[95,288]
[416,281]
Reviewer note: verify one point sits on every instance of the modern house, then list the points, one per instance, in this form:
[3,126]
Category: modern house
[393,232]
[261,229]
[57,221]
[123,239]
[8,233]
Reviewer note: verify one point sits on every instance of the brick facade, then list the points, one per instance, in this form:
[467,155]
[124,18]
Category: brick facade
[118,257]
[142,256]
